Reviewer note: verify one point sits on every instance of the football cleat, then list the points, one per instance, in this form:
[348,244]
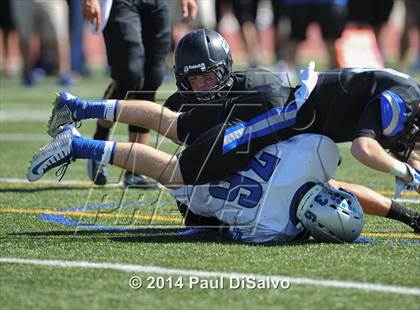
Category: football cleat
[415,223]
[97,172]
[56,153]
[62,112]
[132,179]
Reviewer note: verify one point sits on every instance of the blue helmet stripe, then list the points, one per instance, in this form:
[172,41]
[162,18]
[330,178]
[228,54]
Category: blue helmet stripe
[393,113]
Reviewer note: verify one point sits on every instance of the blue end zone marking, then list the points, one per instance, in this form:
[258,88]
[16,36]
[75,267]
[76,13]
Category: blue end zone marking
[65,220]
[106,206]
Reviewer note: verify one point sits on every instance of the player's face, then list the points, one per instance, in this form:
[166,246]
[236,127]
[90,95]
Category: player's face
[203,82]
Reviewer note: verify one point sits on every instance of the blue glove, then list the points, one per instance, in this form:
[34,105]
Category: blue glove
[414,185]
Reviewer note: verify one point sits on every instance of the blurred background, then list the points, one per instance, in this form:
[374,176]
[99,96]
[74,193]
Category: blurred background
[280,35]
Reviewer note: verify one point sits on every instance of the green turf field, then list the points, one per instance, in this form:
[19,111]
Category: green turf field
[37,221]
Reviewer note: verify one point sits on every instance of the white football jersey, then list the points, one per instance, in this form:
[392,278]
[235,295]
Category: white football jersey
[257,202]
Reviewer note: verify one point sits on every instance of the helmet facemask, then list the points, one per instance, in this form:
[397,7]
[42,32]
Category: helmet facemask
[224,82]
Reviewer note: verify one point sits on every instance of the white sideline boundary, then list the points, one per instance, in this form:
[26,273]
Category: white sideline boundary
[35,137]
[55,182]
[370,287]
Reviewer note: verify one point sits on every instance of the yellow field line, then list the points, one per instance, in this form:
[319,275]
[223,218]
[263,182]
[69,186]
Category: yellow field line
[389,193]
[163,218]
[392,235]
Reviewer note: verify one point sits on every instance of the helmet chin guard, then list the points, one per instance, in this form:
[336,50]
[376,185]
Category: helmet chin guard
[331,215]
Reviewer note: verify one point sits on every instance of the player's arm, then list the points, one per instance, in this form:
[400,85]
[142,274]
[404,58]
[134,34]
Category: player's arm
[189,10]
[369,152]
[414,159]
[374,203]
[91,11]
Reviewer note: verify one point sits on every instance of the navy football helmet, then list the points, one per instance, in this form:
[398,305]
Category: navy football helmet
[202,51]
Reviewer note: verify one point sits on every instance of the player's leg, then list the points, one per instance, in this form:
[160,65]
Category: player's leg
[145,160]
[332,20]
[299,15]
[246,13]
[209,158]
[155,40]
[54,33]
[97,172]
[68,109]
[126,57]
[69,145]
[374,203]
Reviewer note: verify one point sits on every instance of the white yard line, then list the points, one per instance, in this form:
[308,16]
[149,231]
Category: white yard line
[43,137]
[14,115]
[38,137]
[53,182]
[369,287]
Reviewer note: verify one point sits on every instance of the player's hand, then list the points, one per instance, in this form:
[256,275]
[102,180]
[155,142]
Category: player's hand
[412,185]
[189,10]
[308,79]
[309,76]
[91,11]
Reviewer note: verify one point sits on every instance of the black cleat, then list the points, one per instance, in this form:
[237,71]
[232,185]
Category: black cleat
[97,172]
[132,179]
[415,223]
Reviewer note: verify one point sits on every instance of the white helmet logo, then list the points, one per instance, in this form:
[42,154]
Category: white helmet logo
[225,45]
[201,66]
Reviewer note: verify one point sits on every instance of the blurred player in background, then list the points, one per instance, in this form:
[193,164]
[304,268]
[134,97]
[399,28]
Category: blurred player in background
[368,13]
[246,13]
[280,34]
[77,53]
[329,14]
[50,20]
[7,27]
[137,39]
[411,22]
